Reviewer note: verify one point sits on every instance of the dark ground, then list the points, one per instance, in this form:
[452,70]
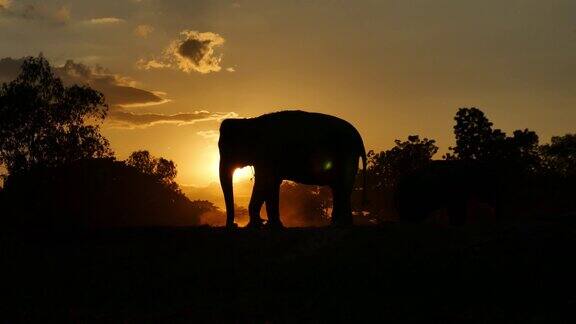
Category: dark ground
[398,273]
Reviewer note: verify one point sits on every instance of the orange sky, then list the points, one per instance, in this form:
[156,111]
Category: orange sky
[392,68]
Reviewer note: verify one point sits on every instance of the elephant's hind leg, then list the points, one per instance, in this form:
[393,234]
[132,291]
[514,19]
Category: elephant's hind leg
[342,212]
[273,205]
[256,201]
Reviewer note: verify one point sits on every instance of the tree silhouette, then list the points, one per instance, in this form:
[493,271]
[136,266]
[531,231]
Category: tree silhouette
[560,155]
[42,122]
[475,138]
[142,160]
[387,168]
[522,150]
[164,170]
[477,141]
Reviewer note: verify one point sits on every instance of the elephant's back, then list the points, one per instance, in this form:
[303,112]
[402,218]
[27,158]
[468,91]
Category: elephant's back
[305,145]
[308,126]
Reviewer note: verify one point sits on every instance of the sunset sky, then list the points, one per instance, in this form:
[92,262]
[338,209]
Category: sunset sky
[171,70]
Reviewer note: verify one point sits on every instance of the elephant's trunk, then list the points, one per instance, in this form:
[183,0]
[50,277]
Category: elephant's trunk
[226,174]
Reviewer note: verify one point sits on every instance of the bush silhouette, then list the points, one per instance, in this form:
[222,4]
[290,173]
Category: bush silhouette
[95,193]
[387,168]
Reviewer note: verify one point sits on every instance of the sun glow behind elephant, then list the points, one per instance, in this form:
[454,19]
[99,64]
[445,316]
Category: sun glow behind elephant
[242,174]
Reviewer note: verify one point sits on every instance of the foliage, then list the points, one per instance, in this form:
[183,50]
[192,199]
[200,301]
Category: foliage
[476,140]
[522,150]
[560,155]
[387,167]
[42,122]
[164,170]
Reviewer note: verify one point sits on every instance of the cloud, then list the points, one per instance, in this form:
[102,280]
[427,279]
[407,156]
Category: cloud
[211,135]
[143,30]
[104,21]
[41,12]
[152,64]
[5,4]
[62,15]
[118,90]
[231,69]
[193,52]
[130,120]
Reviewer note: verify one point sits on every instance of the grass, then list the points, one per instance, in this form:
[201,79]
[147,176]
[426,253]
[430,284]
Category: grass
[516,272]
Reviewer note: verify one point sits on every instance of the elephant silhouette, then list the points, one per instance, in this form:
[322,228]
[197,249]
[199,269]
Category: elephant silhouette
[305,147]
[449,185]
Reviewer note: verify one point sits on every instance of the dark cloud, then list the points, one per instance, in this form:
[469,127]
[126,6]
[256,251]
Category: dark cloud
[130,120]
[120,93]
[194,51]
[118,90]
[35,11]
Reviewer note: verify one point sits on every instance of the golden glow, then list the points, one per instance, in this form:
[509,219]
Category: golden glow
[242,174]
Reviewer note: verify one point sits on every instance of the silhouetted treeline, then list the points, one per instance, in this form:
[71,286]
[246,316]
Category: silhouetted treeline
[61,171]
[95,193]
[487,175]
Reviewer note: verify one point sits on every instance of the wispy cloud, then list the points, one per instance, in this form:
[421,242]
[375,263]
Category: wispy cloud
[104,21]
[193,52]
[118,90]
[211,135]
[151,64]
[121,93]
[130,120]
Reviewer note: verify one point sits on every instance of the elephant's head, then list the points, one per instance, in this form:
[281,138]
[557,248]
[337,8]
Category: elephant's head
[237,145]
